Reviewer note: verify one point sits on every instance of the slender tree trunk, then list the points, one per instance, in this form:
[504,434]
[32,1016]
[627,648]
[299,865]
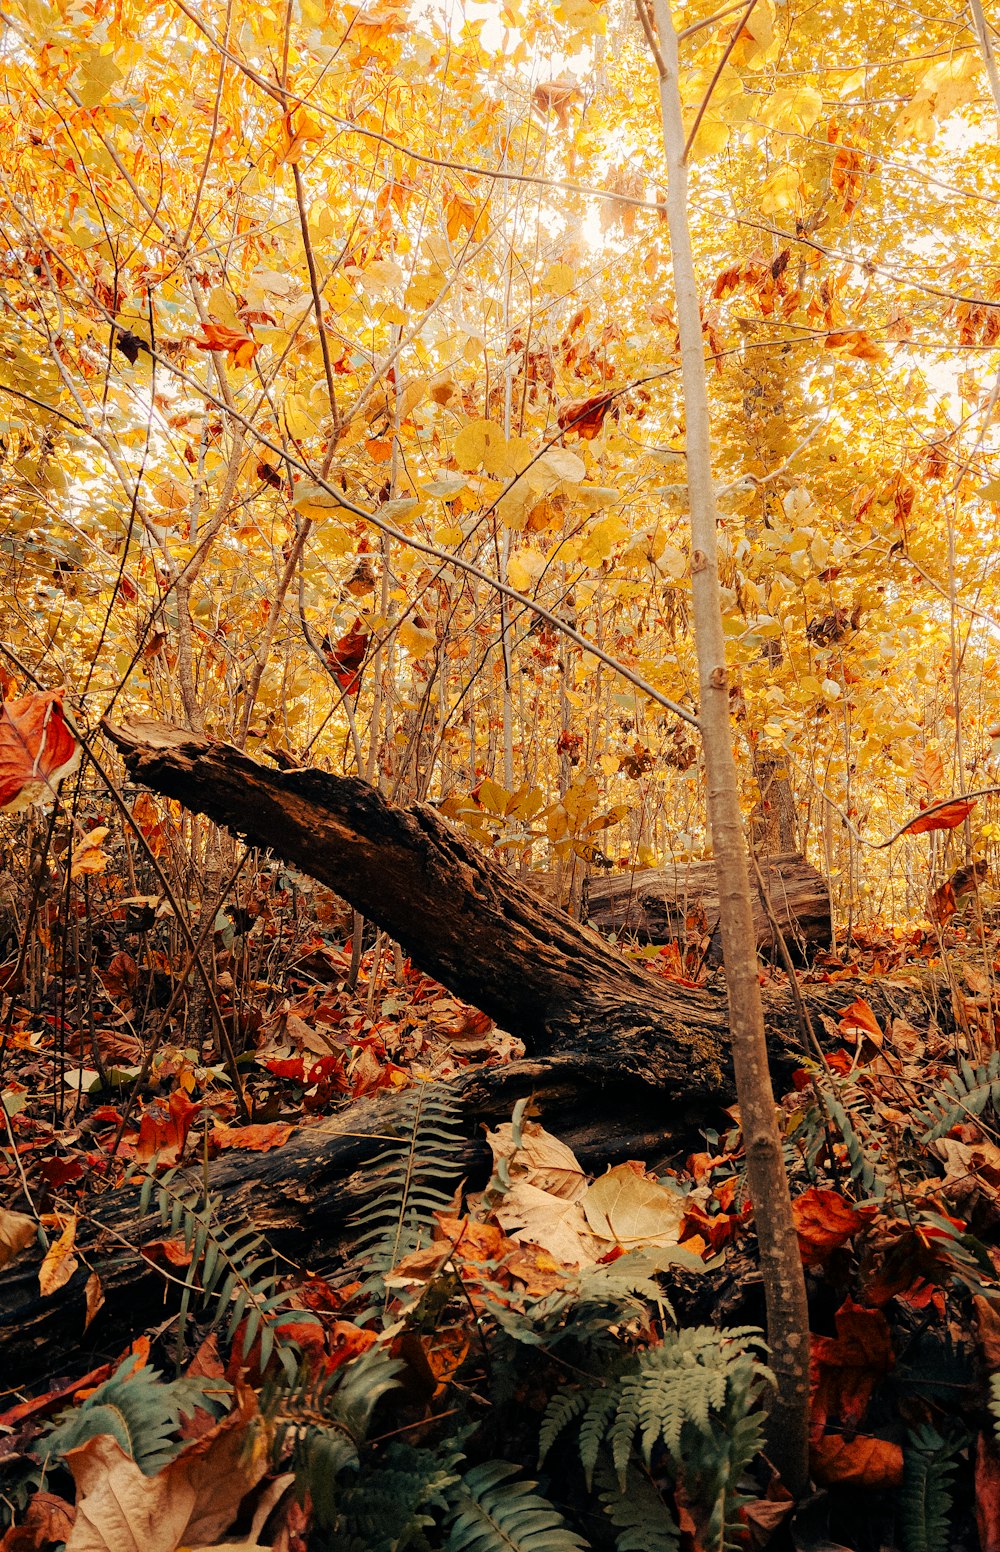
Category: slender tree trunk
[788,1319]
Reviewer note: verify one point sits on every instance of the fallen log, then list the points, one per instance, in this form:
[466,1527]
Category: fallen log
[680,901]
[622,1063]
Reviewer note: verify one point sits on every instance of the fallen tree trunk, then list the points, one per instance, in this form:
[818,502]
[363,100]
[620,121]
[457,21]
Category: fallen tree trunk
[681,901]
[622,1064]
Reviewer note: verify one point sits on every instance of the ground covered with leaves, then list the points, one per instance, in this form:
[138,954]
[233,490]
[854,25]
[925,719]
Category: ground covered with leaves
[546,1362]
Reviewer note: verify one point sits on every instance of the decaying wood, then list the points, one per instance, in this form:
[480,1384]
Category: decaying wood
[681,901]
[622,1063]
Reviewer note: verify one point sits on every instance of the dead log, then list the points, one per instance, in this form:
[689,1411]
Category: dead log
[622,1063]
[681,902]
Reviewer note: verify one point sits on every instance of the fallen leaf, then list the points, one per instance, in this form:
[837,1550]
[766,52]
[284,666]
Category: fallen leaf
[542,1160]
[988,1494]
[94,1295]
[256,1139]
[633,1210]
[47,1520]
[824,1221]
[863,1462]
[17,1232]
[59,1263]
[846,1368]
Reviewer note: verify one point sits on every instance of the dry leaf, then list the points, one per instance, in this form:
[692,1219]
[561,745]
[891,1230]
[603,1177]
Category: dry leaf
[17,1232]
[632,1210]
[37,749]
[60,1262]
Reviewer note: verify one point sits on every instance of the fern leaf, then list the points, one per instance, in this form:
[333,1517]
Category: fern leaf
[492,1513]
[926,1494]
[559,1413]
[642,1521]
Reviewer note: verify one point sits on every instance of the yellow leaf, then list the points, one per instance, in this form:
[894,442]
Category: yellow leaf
[88,856]
[559,279]
[415,636]
[491,796]
[481,443]
[524,567]
[780,192]
[793,108]
[17,1232]
[60,1262]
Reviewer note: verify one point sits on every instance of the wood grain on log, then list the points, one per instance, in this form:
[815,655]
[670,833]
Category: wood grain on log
[681,901]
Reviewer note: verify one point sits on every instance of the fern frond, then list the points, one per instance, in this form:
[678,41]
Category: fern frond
[230,1274]
[559,1413]
[642,1521]
[966,1094]
[393,1500]
[140,1410]
[493,1513]
[416,1178]
[321,1422]
[926,1494]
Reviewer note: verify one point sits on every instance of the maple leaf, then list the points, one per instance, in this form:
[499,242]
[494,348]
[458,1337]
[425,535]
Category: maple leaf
[37,750]
[217,336]
[846,1368]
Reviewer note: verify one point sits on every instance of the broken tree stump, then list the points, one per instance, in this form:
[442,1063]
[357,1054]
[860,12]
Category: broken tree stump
[680,901]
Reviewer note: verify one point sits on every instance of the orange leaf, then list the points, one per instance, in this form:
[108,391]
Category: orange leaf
[60,1263]
[844,1369]
[216,336]
[257,1139]
[824,1221]
[166,1135]
[859,1019]
[585,416]
[864,1461]
[37,749]
[948,817]
[47,1519]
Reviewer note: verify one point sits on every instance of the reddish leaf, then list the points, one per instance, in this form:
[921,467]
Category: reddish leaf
[216,336]
[948,817]
[47,1519]
[345,657]
[864,1461]
[585,416]
[166,1135]
[37,749]
[859,1019]
[846,1368]
[824,1221]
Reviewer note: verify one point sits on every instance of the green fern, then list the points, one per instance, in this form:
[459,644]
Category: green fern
[591,1308]
[642,1521]
[966,1094]
[140,1410]
[926,1494]
[416,1178]
[493,1513]
[698,1399]
[230,1274]
[391,1504]
[319,1423]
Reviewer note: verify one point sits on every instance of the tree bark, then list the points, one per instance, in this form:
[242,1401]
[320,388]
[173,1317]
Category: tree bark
[656,905]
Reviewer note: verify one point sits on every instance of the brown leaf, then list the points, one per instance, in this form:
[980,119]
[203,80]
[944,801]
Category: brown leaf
[94,1295]
[216,336]
[47,1519]
[37,749]
[192,1502]
[17,1232]
[864,1461]
[585,416]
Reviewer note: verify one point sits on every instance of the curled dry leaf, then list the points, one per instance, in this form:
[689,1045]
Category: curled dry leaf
[60,1263]
[948,817]
[863,1462]
[17,1232]
[542,1160]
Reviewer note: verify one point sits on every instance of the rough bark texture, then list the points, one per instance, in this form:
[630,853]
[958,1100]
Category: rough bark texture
[658,904]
